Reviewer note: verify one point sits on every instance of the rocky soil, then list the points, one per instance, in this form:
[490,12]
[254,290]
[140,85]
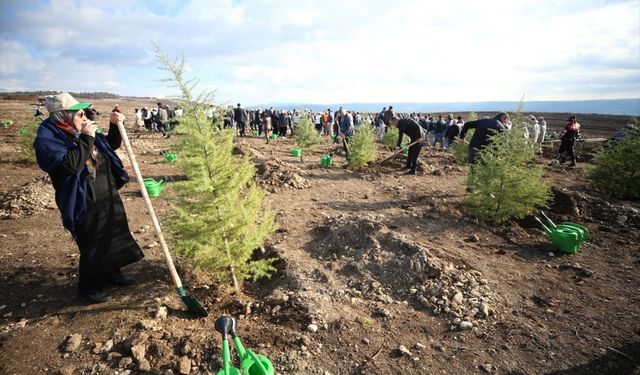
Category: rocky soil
[378,273]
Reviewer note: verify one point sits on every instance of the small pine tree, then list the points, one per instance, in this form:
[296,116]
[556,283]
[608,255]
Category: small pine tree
[390,138]
[505,183]
[221,215]
[617,169]
[306,136]
[362,147]
[460,150]
[26,136]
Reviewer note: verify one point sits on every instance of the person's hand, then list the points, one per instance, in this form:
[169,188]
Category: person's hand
[88,128]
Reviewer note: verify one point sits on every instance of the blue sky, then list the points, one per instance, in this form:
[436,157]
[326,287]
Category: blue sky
[328,51]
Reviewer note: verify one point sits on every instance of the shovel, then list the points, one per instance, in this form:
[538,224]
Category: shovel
[193,305]
[398,152]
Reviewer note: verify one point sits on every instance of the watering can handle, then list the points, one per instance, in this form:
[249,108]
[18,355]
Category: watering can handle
[551,223]
[547,230]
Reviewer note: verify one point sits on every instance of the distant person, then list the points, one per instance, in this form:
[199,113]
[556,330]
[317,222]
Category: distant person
[439,129]
[453,131]
[240,117]
[388,115]
[543,132]
[568,139]
[484,129]
[37,113]
[86,174]
[347,129]
[412,129]
[162,119]
[139,121]
[533,128]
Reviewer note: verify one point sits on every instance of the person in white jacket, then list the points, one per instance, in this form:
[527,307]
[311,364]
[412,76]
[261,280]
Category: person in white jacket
[533,128]
[543,131]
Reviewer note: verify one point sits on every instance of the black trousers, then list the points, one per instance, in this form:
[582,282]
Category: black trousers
[412,157]
[567,148]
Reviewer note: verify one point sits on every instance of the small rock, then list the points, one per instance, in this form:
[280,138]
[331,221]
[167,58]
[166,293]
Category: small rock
[313,328]
[457,298]
[466,325]
[73,343]
[484,308]
[144,365]
[472,238]
[419,346]
[124,362]
[486,367]
[161,313]
[184,366]
[107,346]
[151,245]
[168,372]
[138,352]
[403,349]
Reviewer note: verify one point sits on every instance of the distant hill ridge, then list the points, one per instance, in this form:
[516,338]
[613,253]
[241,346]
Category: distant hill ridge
[629,107]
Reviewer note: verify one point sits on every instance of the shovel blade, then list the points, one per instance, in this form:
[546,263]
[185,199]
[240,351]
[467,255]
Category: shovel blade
[194,306]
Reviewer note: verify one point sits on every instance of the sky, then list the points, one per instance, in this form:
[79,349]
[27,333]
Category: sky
[306,51]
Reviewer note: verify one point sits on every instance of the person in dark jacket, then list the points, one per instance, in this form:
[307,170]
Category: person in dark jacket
[568,140]
[86,174]
[240,117]
[485,128]
[412,129]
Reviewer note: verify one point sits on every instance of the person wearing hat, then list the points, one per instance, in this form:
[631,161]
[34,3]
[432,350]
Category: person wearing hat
[86,174]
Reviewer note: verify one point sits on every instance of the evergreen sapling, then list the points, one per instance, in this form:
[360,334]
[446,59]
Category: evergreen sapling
[220,215]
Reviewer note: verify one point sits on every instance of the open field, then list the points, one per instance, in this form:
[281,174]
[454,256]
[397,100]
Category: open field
[375,267]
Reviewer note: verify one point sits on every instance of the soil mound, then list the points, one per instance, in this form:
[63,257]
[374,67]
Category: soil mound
[28,199]
[274,174]
[584,206]
[382,265]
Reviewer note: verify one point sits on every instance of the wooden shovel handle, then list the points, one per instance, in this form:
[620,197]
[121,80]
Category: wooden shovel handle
[147,201]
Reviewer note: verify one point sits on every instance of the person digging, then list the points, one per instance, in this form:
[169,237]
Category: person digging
[412,129]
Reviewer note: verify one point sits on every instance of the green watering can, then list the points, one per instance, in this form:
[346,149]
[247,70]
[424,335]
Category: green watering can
[153,187]
[250,363]
[296,152]
[274,136]
[326,160]
[170,157]
[566,236]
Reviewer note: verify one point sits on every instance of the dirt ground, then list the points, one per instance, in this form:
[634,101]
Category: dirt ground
[379,273]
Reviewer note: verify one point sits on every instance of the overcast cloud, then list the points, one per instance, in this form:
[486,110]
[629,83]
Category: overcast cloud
[329,51]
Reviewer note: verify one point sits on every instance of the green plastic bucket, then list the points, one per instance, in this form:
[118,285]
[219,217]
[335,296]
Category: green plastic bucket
[326,161]
[153,187]
[274,136]
[170,157]
[296,152]
[254,133]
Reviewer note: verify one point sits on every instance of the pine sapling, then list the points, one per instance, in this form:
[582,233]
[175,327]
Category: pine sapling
[362,147]
[306,136]
[220,215]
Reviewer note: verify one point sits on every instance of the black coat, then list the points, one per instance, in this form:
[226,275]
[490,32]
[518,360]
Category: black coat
[409,127]
[485,128]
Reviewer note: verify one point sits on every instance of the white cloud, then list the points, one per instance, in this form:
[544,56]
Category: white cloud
[333,51]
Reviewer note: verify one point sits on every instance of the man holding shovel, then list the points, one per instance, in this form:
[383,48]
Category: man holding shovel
[413,130]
